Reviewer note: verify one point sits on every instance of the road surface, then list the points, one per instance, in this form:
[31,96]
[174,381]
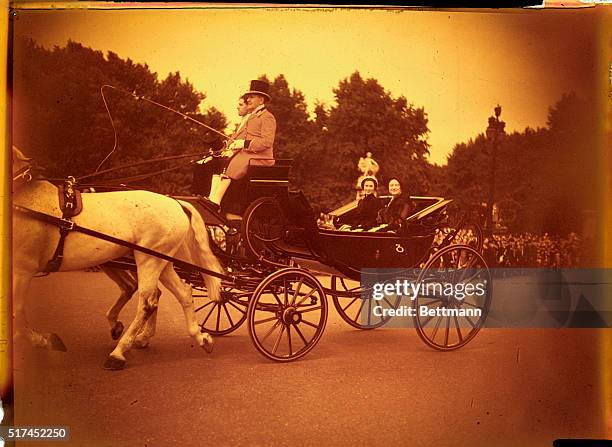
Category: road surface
[383,387]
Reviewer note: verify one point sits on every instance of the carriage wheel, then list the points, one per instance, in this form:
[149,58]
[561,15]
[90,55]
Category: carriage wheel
[474,233]
[262,225]
[287,314]
[223,241]
[451,317]
[357,308]
[469,234]
[225,316]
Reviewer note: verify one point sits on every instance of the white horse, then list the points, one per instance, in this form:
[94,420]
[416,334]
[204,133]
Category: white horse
[147,219]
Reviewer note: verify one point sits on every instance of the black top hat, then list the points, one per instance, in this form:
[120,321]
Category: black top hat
[259,88]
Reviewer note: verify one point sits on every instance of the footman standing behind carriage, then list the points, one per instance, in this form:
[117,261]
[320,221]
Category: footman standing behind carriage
[252,142]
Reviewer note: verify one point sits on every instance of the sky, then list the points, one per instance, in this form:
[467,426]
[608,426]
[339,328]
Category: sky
[457,65]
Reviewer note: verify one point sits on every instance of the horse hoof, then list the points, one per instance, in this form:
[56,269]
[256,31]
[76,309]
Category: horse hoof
[114,364]
[117,330]
[208,344]
[56,343]
[141,344]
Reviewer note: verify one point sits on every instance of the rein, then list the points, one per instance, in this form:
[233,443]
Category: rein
[140,163]
[68,225]
[139,98]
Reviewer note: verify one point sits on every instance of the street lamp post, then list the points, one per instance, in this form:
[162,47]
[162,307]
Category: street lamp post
[494,130]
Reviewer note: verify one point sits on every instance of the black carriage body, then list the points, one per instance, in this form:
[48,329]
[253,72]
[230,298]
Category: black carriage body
[260,181]
[349,251]
[352,252]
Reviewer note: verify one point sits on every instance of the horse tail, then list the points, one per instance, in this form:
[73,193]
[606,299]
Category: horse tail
[198,246]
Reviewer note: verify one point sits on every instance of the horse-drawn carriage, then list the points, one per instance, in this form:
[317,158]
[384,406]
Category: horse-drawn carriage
[280,268]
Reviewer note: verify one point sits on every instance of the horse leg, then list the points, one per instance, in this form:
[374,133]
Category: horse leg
[182,292]
[128,285]
[21,283]
[149,269]
[144,336]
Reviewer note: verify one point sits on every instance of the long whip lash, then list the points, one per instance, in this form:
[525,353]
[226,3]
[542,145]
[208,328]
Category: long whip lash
[140,97]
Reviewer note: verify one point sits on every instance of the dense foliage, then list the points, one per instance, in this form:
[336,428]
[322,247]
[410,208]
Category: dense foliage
[544,177]
[59,116]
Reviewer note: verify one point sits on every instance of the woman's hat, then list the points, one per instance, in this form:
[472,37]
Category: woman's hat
[370,179]
[259,88]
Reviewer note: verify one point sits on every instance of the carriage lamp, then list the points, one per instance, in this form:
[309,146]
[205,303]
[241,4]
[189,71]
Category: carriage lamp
[494,130]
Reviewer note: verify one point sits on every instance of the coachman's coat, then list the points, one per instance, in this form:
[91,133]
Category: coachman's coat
[258,133]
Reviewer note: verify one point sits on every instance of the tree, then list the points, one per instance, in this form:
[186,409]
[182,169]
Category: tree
[547,175]
[368,118]
[60,117]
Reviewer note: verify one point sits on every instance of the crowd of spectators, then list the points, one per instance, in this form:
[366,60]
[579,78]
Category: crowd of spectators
[526,249]
[531,250]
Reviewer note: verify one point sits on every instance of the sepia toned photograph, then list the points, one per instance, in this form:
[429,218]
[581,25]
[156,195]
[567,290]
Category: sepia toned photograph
[280,225]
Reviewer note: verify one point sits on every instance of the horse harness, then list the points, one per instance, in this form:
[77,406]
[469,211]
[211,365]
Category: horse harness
[66,225]
[71,204]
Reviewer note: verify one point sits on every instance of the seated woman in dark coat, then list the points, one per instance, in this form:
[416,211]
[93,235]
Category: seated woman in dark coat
[364,216]
[393,215]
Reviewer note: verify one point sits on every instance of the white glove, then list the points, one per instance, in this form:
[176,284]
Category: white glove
[237,144]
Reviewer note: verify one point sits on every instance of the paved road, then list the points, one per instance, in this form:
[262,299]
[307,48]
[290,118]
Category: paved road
[382,387]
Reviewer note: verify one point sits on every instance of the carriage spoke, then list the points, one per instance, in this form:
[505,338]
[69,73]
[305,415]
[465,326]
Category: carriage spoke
[204,306]
[277,299]
[447,331]
[228,315]
[470,321]
[360,309]
[268,307]
[427,320]
[470,263]
[308,295]
[388,302]
[310,324]
[289,340]
[243,311]
[458,329]
[369,312]
[297,291]
[472,305]
[209,314]
[310,310]
[274,326]
[433,336]
[218,317]
[285,296]
[437,300]
[346,288]
[297,329]
[278,339]
[265,320]
[349,304]
[467,280]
